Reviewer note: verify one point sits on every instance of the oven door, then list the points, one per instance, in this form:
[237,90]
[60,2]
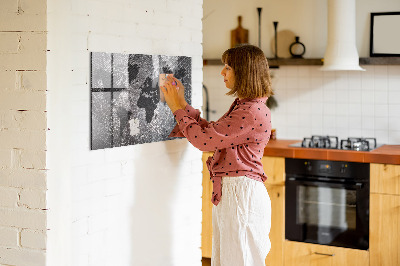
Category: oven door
[327,213]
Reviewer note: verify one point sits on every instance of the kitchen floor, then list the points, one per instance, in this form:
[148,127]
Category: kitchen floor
[206,261]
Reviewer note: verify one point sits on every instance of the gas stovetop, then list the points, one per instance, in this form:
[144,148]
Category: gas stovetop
[332,142]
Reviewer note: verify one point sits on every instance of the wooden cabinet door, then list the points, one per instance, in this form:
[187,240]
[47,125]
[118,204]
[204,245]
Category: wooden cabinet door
[277,233]
[274,168]
[206,226]
[385,178]
[384,237]
[304,254]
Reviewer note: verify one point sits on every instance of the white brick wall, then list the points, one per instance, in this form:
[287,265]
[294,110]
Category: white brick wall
[134,205]
[23,132]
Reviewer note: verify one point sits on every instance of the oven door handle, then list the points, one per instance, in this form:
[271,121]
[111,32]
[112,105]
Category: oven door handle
[357,185]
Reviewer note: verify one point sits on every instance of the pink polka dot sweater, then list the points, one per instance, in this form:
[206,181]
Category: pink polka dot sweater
[238,139]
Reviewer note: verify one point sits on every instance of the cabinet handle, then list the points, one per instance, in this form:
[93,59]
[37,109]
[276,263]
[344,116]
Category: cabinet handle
[324,254]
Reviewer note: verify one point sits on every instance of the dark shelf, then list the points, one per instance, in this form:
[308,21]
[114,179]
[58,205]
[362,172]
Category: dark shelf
[273,62]
[380,61]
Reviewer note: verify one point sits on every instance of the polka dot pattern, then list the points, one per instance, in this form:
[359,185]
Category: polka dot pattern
[238,139]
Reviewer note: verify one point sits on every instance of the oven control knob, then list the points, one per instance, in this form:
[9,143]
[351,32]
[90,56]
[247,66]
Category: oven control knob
[343,168]
[308,166]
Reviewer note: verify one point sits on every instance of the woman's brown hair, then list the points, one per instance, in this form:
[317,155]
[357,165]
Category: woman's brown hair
[250,66]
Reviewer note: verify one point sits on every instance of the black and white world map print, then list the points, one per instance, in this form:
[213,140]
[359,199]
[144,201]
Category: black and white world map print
[126,106]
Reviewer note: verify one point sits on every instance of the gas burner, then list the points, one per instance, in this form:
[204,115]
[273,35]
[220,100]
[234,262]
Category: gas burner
[358,144]
[327,142]
[332,142]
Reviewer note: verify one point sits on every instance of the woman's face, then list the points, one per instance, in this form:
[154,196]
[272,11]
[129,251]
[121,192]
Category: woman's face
[229,76]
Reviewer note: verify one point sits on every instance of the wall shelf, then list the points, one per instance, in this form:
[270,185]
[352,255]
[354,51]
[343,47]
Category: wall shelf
[380,61]
[274,63]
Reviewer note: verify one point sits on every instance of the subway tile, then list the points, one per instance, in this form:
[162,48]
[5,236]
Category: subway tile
[329,94]
[367,96]
[317,107]
[328,74]
[367,82]
[355,132]
[381,84]
[304,72]
[355,122]
[367,110]
[329,122]
[367,122]
[394,97]
[382,136]
[291,71]
[292,83]
[342,96]
[315,72]
[355,109]
[342,122]
[355,96]
[394,110]
[317,131]
[380,97]
[342,80]
[303,82]
[367,133]
[394,83]
[381,110]
[316,83]
[342,133]
[380,71]
[342,109]
[354,80]
[381,123]
[394,137]
[394,71]
[394,123]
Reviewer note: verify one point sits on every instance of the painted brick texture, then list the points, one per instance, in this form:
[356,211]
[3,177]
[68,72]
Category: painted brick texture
[23,132]
[134,205]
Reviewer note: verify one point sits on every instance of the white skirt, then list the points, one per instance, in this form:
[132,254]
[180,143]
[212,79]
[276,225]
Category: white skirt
[241,223]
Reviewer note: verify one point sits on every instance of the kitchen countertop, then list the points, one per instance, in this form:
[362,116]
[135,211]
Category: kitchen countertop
[389,154]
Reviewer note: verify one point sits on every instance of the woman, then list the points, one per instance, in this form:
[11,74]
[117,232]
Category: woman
[242,211]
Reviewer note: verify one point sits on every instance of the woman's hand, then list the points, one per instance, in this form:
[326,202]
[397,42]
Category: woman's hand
[181,90]
[173,94]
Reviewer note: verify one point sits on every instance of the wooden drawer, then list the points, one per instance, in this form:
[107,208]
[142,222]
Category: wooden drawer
[304,254]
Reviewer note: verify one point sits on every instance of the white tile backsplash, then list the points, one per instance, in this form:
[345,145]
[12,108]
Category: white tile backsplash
[343,103]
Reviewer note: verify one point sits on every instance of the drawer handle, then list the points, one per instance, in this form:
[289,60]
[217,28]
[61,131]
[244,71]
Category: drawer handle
[324,254]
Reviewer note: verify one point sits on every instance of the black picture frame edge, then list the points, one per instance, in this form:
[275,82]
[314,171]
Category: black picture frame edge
[371,35]
[91,100]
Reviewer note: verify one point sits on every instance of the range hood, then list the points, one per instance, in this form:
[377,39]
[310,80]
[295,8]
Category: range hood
[341,51]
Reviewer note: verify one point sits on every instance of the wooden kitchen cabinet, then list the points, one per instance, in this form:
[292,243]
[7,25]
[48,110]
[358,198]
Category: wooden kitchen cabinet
[384,236]
[305,254]
[274,168]
[206,225]
[385,178]
[384,215]
[277,233]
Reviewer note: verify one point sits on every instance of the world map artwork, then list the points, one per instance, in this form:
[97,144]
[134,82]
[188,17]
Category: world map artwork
[127,105]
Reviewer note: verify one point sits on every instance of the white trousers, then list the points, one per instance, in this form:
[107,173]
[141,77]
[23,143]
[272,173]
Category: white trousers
[241,223]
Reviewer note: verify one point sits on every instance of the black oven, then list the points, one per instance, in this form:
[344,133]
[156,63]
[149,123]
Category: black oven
[327,202]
